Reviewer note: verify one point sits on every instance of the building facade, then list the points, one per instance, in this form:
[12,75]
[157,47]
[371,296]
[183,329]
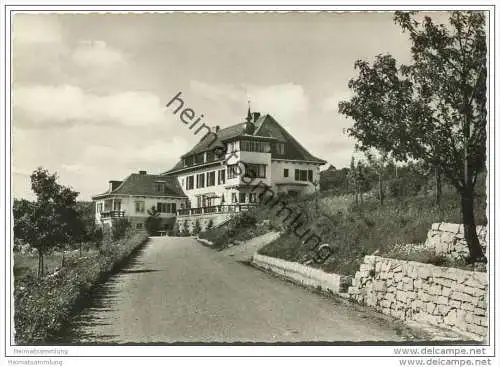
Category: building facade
[226,171]
[223,174]
[137,194]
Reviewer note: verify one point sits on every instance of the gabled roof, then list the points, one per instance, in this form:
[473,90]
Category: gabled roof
[138,184]
[265,127]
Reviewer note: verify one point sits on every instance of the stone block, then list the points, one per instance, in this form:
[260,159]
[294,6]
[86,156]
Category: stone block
[411,295]
[444,282]
[401,296]
[435,289]
[477,329]
[408,286]
[482,304]
[418,283]
[467,306]
[454,303]
[446,291]
[390,296]
[369,259]
[385,303]
[379,286]
[443,309]
[464,289]
[430,307]
[442,300]
[449,227]
[451,318]
[459,296]
[435,226]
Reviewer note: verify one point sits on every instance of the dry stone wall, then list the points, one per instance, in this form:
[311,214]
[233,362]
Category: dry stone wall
[448,239]
[447,297]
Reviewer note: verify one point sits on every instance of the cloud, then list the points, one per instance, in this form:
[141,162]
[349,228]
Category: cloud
[283,101]
[96,54]
[331,103]
[36,29]
[153,153]
[67,105]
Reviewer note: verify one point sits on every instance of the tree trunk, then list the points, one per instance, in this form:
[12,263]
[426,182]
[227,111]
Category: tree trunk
[470,234]
[438,184]
[40,264]
[380,190]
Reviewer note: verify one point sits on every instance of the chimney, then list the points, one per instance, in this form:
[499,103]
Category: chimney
[256,116]
[114,184]
[143,172]
[217,128]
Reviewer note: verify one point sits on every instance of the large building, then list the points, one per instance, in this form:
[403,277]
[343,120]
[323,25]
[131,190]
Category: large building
[137,194]
[223,172]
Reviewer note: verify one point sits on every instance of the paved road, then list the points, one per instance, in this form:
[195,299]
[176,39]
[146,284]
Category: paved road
[177,290]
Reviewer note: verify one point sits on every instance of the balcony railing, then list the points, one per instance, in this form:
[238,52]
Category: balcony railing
[112,214]
[232,208]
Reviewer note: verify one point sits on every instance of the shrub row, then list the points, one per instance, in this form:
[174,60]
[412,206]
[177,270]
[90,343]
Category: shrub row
[44,306]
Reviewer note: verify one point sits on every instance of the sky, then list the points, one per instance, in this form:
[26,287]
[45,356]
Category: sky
[89,90]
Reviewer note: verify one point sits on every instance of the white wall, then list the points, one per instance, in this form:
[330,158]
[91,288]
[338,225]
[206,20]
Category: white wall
[128,205]
[277,171]
[217,189]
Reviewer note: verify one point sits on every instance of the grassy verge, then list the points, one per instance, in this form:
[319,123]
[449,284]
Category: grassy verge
[43,306]
[355,231]
[241,228]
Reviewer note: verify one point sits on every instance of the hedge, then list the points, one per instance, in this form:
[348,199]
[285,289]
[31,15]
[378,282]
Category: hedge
[42,307]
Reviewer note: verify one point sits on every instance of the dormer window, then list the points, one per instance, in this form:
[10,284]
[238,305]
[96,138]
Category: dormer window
[159,187]
[199,158]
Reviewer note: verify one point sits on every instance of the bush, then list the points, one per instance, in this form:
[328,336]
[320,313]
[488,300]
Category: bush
[42,307]
[196,227]
[120,228]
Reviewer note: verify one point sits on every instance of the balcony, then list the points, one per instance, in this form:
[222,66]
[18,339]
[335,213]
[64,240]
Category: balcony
[112,214]
[217,209]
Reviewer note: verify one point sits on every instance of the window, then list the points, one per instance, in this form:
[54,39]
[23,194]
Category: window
[200,180]
[221,179]
[199,158]
[210,156]
[310,175]
[255,170]
[233,171]
[188,161]
[253,197]
[99,207]
[234,198]
[161,207]
[279,148]
[211,178]
[300,175]
[140,207]
[243,197]
[167,207]
[159,187]
[117,204]
[107,205]
[189,182]
[255,146]
[138,226]
[285,172]
[232,146]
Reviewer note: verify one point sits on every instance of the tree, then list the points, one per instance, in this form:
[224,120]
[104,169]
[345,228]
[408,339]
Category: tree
[51,220]
[153,221]
[378,164]
[432,110]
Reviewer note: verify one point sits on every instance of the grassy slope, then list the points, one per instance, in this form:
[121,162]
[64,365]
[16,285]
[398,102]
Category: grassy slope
[353,231]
